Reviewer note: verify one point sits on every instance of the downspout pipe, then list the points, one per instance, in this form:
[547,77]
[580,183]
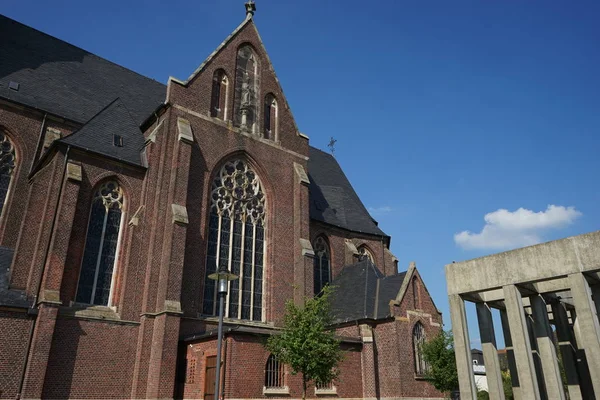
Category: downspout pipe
[33,310]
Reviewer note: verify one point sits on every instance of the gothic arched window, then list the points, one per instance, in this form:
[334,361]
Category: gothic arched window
[274,373]
[322,264]
[271,115]
[236,240]
[97,268]
[218,103]
[246,89]
[7,166]
[365,253]
[418,340]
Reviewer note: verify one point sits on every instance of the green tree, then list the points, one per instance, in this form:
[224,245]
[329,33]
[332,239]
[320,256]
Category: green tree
[307,344]
[438,353]
[507,385]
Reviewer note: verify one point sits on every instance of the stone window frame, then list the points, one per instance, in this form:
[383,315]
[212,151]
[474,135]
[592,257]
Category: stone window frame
[220,82]
[418,339]
[322,249]
[272,131]
[237,226]
[102,194]
[8,167]
[364,251]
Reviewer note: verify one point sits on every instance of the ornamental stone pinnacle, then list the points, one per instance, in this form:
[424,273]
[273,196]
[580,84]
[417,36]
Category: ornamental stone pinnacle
[250,8]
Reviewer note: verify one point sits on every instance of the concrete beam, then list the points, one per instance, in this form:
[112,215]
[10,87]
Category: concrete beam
[462,348]
[588,325]
[522,347]
[490,352]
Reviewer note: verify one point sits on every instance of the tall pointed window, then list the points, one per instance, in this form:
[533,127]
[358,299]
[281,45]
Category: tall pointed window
[246,90]
[322,268]
[96,276]
[418,340]
[7,166]
[219,99]
[236,240]
[271,115]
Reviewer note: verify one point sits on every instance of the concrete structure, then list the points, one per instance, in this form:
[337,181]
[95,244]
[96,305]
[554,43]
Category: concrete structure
[548,297]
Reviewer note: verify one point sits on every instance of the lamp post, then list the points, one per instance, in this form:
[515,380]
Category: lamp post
[222,276]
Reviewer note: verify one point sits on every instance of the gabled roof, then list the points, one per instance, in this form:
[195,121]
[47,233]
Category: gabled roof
[59,78]
[332,197]
[361,291]
[97,135]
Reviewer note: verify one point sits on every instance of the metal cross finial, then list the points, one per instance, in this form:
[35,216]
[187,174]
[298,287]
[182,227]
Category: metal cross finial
[250,8]
[331,145]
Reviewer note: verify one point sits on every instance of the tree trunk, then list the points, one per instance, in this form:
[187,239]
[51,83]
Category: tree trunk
[303,387]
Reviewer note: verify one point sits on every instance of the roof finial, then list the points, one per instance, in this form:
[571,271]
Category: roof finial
[250,8]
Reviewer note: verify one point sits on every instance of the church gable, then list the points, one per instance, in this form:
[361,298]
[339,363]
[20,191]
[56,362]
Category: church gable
[237,87]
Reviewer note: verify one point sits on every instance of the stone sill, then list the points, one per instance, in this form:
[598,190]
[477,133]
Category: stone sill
[93,312]
[326,392]
[420,377]
[276,391]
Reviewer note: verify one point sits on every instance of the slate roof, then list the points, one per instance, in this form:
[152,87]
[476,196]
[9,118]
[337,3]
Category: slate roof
[97,134]
[59,78]
[332,197]
[363,292]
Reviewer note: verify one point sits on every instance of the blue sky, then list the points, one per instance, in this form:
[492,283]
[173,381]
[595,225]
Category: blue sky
[444,111]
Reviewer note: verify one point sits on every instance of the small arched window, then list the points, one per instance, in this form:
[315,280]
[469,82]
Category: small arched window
[271,118]
[7,166]
[322,264]
[219,99]
[97,268]
[365,254]
[274,374]
[418,340]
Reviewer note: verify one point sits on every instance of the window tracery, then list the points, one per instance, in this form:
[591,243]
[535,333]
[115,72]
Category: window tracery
[236,240]
[96,276]
[365,253]
[322,265]
[219,99]
[7,166]
[418,341]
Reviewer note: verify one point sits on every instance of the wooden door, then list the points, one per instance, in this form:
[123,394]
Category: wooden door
[210,375]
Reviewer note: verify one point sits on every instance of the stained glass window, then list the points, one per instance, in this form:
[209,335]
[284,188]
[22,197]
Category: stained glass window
[7,166]
[218,106]
[322,269]
[97,267]
[246,98]
[236,240]
[270,120]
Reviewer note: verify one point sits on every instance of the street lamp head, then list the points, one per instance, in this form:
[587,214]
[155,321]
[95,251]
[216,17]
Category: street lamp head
[222,276]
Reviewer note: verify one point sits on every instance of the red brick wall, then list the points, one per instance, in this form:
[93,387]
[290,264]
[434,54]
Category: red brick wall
[90,359]
[14,331]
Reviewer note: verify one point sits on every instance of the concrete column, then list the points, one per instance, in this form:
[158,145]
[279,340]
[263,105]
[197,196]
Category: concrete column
[596,297]
[546,350]
[589,328]
[566,345]
[462,348]
[490,352]
[510,356]
[522,347]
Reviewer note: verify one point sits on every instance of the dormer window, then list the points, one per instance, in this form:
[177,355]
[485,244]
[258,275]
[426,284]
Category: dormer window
[271,116]
[218,104]
[118,140]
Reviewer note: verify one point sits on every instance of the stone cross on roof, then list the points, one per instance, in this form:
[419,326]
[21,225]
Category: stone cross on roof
[250,8]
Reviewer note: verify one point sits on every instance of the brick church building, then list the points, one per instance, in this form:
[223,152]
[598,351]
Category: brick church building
[120,195]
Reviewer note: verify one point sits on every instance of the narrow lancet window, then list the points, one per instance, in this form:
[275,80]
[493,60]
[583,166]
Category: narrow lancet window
[271,115]
[418,340]
[236,240]
[274,373]
[219,99]
[365,254]
[97,269]
[7,166]
[322,268]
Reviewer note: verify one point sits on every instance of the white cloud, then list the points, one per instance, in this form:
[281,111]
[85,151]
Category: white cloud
[380,210]
[505,229]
